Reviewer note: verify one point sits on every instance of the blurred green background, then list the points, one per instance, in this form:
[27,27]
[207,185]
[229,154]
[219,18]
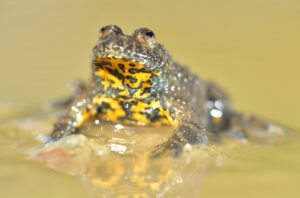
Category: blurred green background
[250,47]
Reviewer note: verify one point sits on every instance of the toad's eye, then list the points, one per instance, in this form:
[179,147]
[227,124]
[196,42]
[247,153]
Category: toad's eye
[145,36]
[109,30]
[150,34]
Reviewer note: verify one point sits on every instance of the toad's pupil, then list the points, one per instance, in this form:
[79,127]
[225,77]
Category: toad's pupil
[102,29]
[150,34]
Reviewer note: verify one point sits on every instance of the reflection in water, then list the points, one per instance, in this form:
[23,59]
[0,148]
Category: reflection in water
[114,160]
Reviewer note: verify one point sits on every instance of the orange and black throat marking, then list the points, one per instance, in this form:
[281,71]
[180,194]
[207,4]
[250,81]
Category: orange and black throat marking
[129,95]
[132,79]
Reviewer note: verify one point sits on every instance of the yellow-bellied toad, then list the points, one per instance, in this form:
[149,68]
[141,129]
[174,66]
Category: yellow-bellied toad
[136,82]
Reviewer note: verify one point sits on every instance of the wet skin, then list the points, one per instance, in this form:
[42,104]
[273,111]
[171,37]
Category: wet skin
[136,82]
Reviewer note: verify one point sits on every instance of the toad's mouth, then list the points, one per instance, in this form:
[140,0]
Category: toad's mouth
[121,73]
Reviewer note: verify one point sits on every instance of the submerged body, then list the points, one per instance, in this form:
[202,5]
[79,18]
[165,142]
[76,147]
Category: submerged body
[136,82]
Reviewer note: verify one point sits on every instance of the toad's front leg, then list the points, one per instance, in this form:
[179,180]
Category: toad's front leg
[83,108]
[72,119]
[189,131]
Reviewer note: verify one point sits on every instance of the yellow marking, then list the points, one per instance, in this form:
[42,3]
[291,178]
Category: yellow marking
[142,119]
[116,83]
[139,77]
[125,92]
[110,175]
[115,166]
[116,111]
[112,114]
[82,119]
[107,77]
[138,94]
[141,107]
[141,166]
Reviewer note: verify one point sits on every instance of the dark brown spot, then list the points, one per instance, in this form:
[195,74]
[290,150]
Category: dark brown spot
[134,71]
[154,116]
[122,67]
[115,73]
[131,79]
[146,90]
[106,63]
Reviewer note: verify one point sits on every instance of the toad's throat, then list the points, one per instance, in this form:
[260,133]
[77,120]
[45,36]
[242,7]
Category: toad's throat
[132,79]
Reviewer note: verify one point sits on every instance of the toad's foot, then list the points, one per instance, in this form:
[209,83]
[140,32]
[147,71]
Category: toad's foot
[186,133]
